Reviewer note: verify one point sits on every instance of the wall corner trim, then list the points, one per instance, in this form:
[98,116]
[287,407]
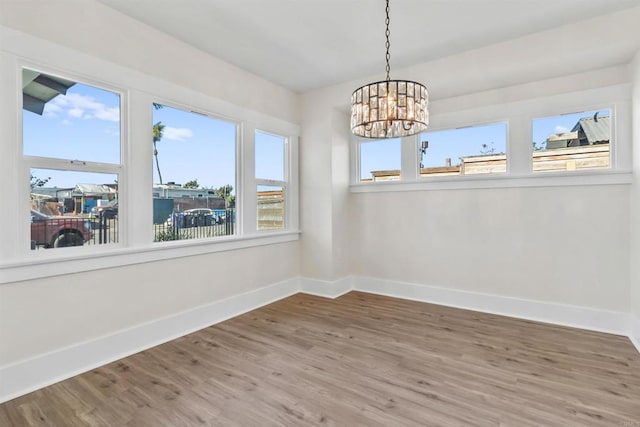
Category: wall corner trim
[634,332]
[325,288]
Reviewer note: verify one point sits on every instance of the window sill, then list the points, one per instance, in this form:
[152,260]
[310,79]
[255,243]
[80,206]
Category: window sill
[117,257]
[541,179]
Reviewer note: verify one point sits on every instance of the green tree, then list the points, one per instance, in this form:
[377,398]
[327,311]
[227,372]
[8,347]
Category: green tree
[158,132]
[192,184]
[486,149]
[537,146]
[224,192]
[38,182]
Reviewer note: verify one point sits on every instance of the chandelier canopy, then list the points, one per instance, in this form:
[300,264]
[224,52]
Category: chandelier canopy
[389,108]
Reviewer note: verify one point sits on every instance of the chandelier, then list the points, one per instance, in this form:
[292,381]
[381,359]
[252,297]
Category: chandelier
[389,108]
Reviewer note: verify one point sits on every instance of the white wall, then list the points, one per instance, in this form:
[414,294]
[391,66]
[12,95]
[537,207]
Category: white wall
[635,204]
[44,315]
[564,245]
[97,30]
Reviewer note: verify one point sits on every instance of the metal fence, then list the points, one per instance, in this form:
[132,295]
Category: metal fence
[105,230]
[181,226]
[64,231]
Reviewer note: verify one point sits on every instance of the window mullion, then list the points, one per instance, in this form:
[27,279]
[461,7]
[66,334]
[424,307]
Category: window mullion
[409,159]
[248,202]
[137,177]
[291,186]
[519,146]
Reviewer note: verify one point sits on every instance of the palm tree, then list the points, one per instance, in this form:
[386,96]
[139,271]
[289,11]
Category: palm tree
[158,130]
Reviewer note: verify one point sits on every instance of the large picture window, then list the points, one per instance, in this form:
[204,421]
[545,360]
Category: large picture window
[120,169]
[194,175]
[71,141]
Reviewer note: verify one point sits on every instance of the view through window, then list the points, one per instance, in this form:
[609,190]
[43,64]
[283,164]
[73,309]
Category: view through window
[270,152]
[569,142]
[71,141]
[194,175]
[464,151]
[380,160]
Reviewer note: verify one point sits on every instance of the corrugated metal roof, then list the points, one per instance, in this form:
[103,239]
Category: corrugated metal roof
[597,129]
[94,189]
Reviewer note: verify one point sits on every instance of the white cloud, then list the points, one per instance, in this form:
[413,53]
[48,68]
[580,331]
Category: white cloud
[80,106]
[51,110]
[177,134]
[76,113]
[66,122]
[560,129]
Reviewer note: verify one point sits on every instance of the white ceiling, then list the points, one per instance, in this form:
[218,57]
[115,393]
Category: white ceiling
[307,44]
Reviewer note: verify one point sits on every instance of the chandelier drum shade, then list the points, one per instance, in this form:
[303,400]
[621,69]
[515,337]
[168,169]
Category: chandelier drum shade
[389,108]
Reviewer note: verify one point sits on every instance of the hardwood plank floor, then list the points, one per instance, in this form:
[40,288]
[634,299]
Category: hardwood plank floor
[358,360]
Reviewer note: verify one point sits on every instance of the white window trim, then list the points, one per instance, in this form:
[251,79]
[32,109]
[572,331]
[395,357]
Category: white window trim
[518,116]
[136,240]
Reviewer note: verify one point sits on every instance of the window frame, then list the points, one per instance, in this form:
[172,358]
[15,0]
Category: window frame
[613,142]
[519,116]
[238,165]
[420,137]
[28,162]
[285,183]
[137,91]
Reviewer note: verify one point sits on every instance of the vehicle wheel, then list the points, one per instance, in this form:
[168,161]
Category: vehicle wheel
[68,239]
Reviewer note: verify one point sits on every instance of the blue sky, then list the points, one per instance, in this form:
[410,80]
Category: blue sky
[197,147]
[84,125]
[456,143]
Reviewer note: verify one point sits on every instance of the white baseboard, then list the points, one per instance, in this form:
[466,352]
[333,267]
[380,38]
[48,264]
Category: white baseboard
[325,288]
[634,334]
[558,314]
[29,375]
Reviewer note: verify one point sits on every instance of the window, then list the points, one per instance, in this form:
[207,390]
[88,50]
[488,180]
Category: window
[571,142]
[194,175]
[95,184]
[271,176]
[71,144]
[380,160]
[463,151]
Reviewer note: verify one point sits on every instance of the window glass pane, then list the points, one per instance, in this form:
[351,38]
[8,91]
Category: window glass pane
[380,160]
[269,156]
[465,151]
[194,175]
[73,208]
[63,119]
[572,141]
[271,207]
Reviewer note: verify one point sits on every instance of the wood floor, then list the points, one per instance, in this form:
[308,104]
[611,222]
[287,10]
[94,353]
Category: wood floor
[359,360]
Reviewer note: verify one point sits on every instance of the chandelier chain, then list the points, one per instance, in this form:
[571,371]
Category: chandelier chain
[387,44]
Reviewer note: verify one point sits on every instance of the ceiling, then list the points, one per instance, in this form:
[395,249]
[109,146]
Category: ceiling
[307,44]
